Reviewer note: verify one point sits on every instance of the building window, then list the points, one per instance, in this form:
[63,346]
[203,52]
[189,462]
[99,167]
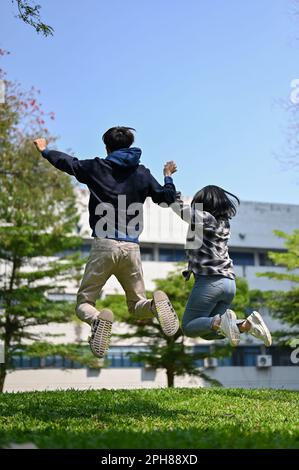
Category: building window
[242,356]
[172,254]
[281,356]
[147,254]
[265,260]
[120,356]
[242,258]
[250,354]
[85,249]
[200,350]
[225,361]
[35,362]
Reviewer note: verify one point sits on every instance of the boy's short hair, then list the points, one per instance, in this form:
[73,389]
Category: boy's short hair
[119,137]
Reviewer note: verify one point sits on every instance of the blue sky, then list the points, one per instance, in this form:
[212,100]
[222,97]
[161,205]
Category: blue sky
[198,79]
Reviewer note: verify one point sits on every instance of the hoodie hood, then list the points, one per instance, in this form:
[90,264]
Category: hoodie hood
[125,158]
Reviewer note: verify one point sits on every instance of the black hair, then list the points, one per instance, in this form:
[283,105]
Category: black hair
[119,137]
[217,202]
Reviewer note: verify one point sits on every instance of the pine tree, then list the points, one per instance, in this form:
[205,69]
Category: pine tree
[283,304]
[38,219]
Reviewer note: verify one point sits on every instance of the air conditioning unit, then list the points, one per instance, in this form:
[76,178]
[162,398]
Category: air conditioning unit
[210,362]
[263,361]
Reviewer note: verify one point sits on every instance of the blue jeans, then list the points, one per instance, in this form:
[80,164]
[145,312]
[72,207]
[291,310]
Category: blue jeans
[210,296]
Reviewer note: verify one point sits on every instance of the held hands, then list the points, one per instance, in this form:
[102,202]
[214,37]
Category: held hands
[40,144]
[169,168]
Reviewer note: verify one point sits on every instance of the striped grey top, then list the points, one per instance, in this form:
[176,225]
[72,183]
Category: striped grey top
[209,256]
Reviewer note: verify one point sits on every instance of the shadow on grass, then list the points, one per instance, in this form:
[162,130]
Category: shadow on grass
[190,438]
[258,394]
[108,405]
[109,419]
[51,408]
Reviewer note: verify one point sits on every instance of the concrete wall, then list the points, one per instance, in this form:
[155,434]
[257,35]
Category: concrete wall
[252,377]
[128,378]
[263,283]
[255,221]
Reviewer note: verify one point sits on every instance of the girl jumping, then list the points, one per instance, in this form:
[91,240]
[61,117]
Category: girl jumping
[208,312]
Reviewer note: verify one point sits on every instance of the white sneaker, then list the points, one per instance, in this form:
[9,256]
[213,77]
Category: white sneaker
[101,332]
[165,313]
[259,328]
[228,327]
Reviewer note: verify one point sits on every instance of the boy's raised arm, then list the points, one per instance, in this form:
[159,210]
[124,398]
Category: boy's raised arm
[63,161]
[178,206]
[167,192]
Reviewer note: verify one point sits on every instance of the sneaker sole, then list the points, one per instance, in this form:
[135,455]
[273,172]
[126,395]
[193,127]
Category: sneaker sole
[100,340]
[234,339]
[166,314]
[257,316]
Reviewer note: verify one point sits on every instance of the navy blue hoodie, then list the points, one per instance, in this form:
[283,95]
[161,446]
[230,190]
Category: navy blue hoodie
[107,178]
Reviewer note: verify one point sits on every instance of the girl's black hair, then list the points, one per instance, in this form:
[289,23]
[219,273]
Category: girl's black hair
[217,202]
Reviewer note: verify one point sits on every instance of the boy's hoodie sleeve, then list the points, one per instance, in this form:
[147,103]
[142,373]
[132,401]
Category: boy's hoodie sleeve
[71,165]
[160,193]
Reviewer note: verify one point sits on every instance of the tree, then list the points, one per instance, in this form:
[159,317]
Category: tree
[283,305]
[30,14]
[38,220]
[162,352]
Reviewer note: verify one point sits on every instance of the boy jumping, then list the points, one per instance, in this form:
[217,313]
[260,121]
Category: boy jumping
[118,186]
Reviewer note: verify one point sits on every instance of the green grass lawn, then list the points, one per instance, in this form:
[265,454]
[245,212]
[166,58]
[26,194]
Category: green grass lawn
[158,418]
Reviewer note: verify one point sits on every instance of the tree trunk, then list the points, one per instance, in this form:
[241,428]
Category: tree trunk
[7,327]
[2,376]
[170,378]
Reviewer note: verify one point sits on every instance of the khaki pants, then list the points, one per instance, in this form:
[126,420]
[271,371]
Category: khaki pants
[108,257]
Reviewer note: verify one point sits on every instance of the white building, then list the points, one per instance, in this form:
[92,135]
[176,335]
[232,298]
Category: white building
[162,246]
